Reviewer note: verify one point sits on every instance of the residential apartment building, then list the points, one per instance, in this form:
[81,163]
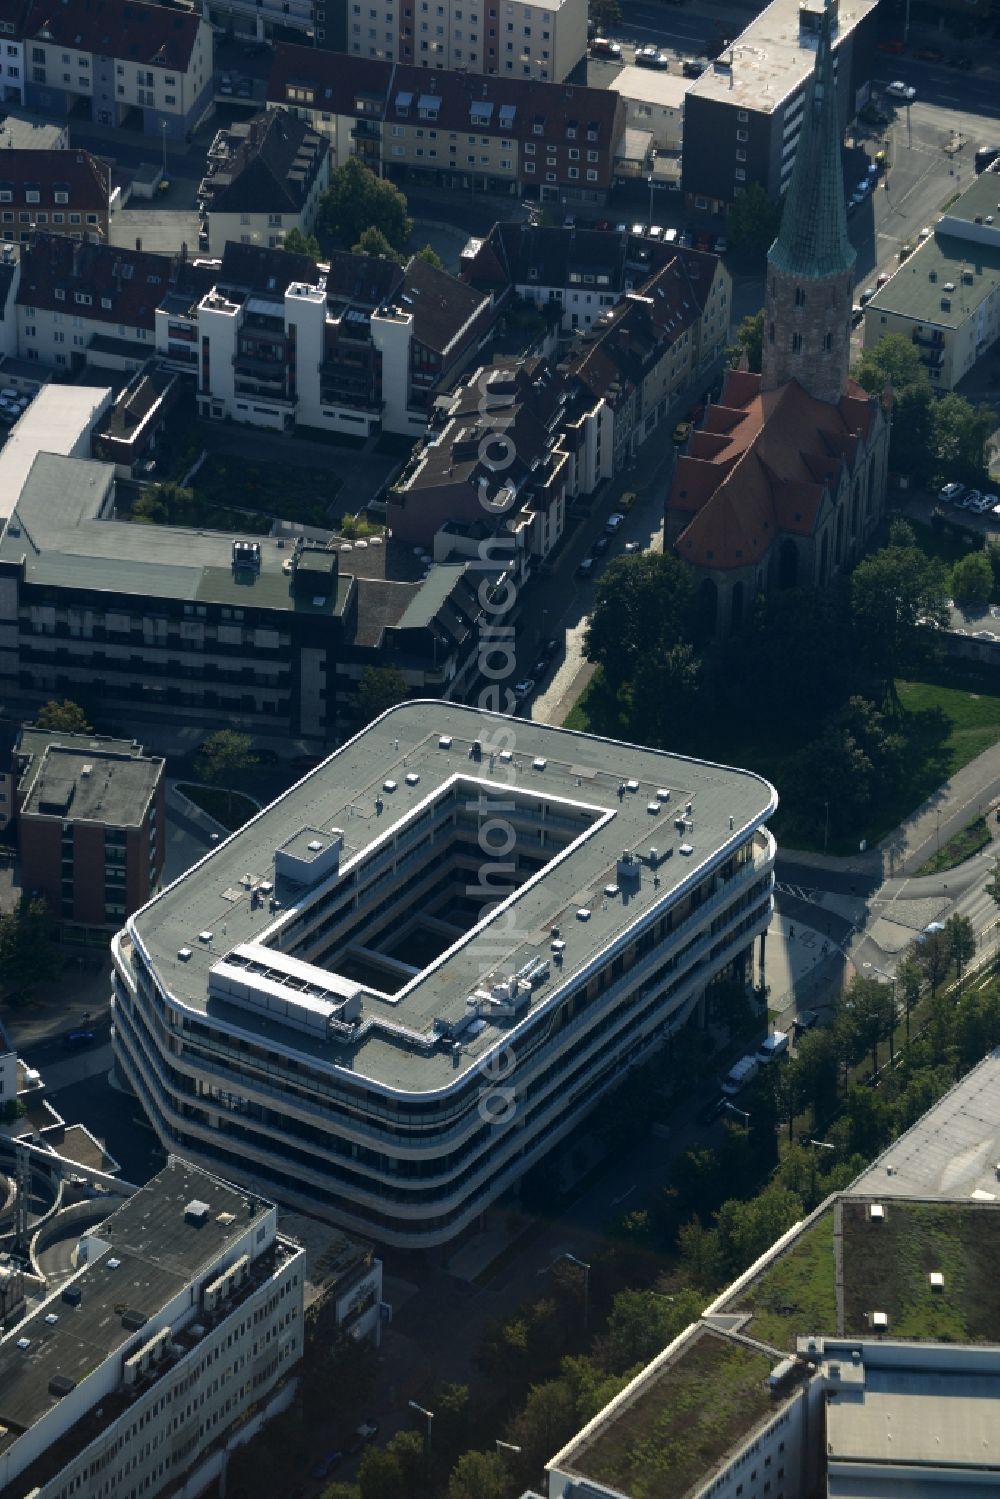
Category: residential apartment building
[359,345]
[90,825]
[78,303]
[123,61]
[60,192]
[529,138]
[461,1018]
[742,117]
[264,176]
[178,1336]
[494,466]
[945,297]
[262,19]
[544,40]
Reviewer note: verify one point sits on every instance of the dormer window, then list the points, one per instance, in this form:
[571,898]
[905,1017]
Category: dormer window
[61,195]
[83,298]
[60,294]
[32,195]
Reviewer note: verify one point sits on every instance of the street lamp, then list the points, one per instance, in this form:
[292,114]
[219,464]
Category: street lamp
[582,1265]
[507,1447]
[826,827]
[817,1145]
[429,1416]
[163,138]
[744,1115]
[649,179]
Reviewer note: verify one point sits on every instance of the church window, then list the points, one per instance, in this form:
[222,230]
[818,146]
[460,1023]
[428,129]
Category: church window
[796,342]
[800,297]
[828,341]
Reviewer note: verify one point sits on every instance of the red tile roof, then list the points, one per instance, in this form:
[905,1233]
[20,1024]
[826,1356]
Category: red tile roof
[84,179]
[131,282]
[760,468]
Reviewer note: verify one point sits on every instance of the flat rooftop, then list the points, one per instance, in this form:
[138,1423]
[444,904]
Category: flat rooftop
[652,86]
[57,421]
[57,529]
[772,58]
[956,269]
[155,1250]
[601,799]
[952,1151]
[862,1255]
[87,786]
[678,1420]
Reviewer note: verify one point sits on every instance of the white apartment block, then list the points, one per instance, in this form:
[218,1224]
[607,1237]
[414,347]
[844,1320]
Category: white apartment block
[544,40]
[404,981]
[178,1335]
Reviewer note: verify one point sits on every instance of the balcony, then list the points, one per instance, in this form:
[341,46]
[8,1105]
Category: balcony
[366,130]
[933,340]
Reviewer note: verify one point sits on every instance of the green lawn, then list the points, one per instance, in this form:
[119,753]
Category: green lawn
[796,1295]
[944,725]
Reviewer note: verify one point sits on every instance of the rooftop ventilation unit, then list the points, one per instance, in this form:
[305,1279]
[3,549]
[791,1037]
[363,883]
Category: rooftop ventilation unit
[196,1212]
[444,742]
[937,1280]
[876,1212]
[538,763]
[61,1384]
[880,1320]
[149,1354]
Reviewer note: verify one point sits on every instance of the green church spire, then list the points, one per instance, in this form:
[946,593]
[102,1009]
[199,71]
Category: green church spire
[812,240]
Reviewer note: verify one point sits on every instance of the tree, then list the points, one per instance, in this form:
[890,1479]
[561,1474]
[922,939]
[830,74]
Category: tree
[933,956]
[298,243]
[357,200]
[380,688]
[380,1475]
[909,982]
[410,1452]
[642,1323]
[972,579]
[636,595]
[373,242]
[665,687]
[754,220]
[960,435]
[431,256]
[605,14]
[893,360]
[749,341]
[482,1475]
[64,718]
[960,938]
[746,1229]
[866,1016]
[28,951]
[992,886]
[893,593]
[545,1423]
[224,756]
[818,1065]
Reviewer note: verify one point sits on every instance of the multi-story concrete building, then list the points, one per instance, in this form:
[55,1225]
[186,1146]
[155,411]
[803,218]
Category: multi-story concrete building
[264,176]
[61,192]
[262,19]
[545,39]
[177,1337]
[743,115]
[945,297]
[358,345]
[90,825]
[121,61]
[493,466]
[529,138]
[414,973]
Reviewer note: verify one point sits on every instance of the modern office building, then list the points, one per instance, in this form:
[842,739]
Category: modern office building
[178,1335]
[945,297]
[414,973]
[742,117]
[90,825]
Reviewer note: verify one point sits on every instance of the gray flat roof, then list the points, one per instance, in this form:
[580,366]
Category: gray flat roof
[770,60]
[157,1249]
[579,776]
[952,1151]
[925,1417]
[57,420]
[56,529]
[92,786]
[958,263]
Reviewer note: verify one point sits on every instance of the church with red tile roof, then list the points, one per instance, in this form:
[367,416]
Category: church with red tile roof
[783,485]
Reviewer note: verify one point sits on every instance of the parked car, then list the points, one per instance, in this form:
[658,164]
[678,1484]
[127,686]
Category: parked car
[970,500]
[601,46]
[721,244]
[523,689]
[585,568]
[704,241]
[805,1020]
[900,90]
[362,1436]
[857,315]
[326,1464]
[773,1046]
[601,544]
[951,493]
[631,547]
[79,1038]
[682,432]
[866,295]
[626,500]
[645,57]
[550,649]
[925,232]
[638,230]
[656,231]
[569,222]
[613,521]
[693,67]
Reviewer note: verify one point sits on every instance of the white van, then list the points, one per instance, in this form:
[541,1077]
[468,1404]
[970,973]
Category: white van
[739,1075]
[775,1045]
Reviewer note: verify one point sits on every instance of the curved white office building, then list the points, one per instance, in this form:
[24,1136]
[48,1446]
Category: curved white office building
[399,985]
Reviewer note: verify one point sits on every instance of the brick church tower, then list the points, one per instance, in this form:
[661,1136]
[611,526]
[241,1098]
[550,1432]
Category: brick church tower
[810,266]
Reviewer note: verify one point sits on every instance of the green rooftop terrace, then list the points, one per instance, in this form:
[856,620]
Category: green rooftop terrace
[681,1422]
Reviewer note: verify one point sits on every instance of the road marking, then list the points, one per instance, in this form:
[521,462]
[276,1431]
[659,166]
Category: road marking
[948,99]
[616,1200]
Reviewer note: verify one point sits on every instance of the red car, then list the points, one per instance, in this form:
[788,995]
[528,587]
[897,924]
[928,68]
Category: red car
[703,242]
[896,47]
[603,224]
